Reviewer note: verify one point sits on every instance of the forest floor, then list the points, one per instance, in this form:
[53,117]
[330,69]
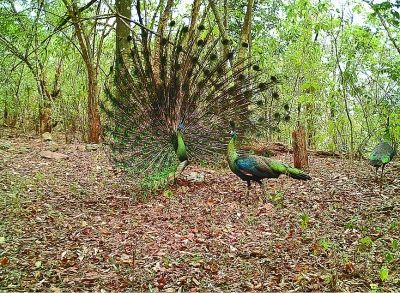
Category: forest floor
[73,224]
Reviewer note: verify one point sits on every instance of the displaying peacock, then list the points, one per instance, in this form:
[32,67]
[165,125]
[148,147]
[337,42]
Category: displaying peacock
[180,91]
[382,153]
[255,168]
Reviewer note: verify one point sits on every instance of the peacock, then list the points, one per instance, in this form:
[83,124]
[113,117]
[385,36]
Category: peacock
[181,89]
[382,153]
[255,168]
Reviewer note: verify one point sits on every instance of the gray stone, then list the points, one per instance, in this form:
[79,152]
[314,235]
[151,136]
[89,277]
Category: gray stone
[46,136]
[195,177]
[92,147]
[52,146]
[24,150]
[5,146]
[52,155]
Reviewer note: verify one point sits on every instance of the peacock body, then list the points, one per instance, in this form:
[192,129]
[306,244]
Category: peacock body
[255,168]
[381,155]
[176,100]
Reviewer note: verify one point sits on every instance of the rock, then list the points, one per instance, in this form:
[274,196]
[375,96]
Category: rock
[52,155]
[52,146]
[92,147]
[46,136]
[23,150]
[5,146]
[195,177]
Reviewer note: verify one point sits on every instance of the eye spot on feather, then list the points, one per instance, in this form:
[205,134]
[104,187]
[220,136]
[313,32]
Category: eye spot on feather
[164,41]
[286,107]
[287,118]
[230,55]
[260,103]
[185,29]
[200,43]
[262,86]
[201,27]
[247,94]
[129,38]
[273,78]
[172,23]
[245,45]
[179,48]
[242,76]
[277,116]
[275,95]
[195,59]
[206,71]
[213,56]
[225,42]
[220,70]
[256,68]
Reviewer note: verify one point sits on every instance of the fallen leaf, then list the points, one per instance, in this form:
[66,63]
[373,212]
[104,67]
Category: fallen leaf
[4,261]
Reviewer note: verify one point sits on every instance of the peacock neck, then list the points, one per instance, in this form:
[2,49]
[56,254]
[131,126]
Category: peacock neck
[232,154]
[181,147]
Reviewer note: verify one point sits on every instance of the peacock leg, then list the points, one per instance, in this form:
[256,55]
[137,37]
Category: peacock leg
[383,166]
[248,188]
[264,192]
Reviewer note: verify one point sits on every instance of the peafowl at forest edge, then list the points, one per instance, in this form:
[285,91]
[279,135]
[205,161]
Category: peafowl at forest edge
[383,152]
[176,102]
[255,168]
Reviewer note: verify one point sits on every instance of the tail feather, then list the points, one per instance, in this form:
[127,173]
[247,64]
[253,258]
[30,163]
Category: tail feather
[297,174]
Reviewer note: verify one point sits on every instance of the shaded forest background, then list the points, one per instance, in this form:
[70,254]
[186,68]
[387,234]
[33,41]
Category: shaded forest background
[338,63]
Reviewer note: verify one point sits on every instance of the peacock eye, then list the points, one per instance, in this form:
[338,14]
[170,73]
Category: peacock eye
[164,41]
[225,42]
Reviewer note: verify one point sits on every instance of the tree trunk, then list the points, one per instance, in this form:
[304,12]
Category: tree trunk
[122,32]
[93,107]
[300,155]
[92,73]
[45,119]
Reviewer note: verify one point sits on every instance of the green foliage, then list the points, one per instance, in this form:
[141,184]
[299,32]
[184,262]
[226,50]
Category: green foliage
[384,273]
[304,220]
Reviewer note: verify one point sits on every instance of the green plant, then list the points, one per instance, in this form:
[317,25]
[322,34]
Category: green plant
[325,244]
[304,220]
[384,273]
[277,198]
[365,242]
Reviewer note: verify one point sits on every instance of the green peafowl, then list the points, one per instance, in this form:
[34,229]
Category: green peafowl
[176,100]
[383,152]
[255,168]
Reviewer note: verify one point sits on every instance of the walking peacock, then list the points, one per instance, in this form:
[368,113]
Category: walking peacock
[255,168]
[383,152]
[177,100]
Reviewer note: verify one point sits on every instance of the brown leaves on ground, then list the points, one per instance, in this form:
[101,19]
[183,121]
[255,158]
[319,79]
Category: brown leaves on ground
[75,225]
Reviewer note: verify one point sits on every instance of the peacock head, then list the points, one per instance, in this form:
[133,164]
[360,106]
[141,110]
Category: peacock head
[181,127]
[233,130]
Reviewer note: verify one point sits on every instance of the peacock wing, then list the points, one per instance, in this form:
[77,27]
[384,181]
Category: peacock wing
[255,165]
